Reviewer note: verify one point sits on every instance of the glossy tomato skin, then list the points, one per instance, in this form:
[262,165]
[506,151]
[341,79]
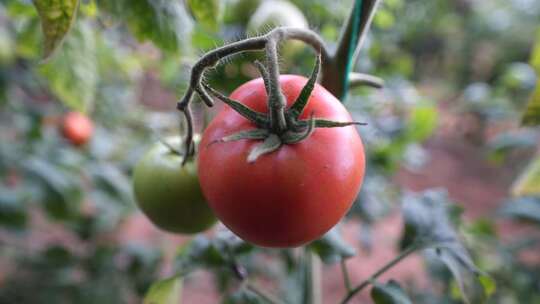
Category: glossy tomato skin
[169,194]
[77,128]
[289,197]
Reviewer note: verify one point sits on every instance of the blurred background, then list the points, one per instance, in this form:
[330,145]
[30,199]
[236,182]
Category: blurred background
[458,77]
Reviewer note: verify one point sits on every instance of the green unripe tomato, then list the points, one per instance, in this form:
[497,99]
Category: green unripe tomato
[168,193]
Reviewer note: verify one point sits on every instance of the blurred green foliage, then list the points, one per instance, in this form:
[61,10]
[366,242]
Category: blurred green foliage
[480,57]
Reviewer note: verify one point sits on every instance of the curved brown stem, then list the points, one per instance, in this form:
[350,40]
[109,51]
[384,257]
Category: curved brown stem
[268,42]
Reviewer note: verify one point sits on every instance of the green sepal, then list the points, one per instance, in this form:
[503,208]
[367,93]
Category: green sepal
[295,137]
[300,103]
[323,123]
[269,145]
[247,134]
[257,118]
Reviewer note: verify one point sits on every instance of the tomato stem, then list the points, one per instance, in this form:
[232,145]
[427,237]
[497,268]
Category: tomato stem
[336,76]
[279,121]
[405,253]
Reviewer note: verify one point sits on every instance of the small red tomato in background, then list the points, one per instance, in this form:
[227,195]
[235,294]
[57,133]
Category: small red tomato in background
[293,195]
[77,128]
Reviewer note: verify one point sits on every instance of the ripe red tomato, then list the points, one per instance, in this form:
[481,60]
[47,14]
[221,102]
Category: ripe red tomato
[289,197]
[77,128]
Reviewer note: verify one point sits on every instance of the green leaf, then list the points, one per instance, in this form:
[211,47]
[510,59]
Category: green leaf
[467,276]
[164,22]
[73,74]
[526,208]
[422,122]
[389,293]
[166,291]
[528,183]
[331,248]
[207,12]
[211,253]
[57,17]
[531,117]
[428,223]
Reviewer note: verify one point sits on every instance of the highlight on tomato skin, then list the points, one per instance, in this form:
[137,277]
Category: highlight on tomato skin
[289,197]
[77,128]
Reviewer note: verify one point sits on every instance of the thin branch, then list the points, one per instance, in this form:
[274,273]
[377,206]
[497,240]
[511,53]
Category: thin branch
[276,100]
[405,253]
[359,79]
[213,57]
[345,273]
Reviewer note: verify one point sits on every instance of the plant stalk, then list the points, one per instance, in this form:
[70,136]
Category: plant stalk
[405,253]
[336,75]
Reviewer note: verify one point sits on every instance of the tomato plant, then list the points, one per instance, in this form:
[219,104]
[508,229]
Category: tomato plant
[77,128]
[170,194]
[293,195]
[66,215]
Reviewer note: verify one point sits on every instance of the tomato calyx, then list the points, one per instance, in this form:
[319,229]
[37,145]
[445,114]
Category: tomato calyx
[268,129]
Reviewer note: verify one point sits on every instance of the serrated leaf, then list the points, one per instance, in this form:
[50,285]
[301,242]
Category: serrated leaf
[73,75]
[389,293]
[332,248]
[206,12]
[528,183]
[164,22]
[168,291]
[57,17]
[531,116]
[526,208]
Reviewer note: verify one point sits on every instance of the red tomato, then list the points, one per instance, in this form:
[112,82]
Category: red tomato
[289,197]
[77,128]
